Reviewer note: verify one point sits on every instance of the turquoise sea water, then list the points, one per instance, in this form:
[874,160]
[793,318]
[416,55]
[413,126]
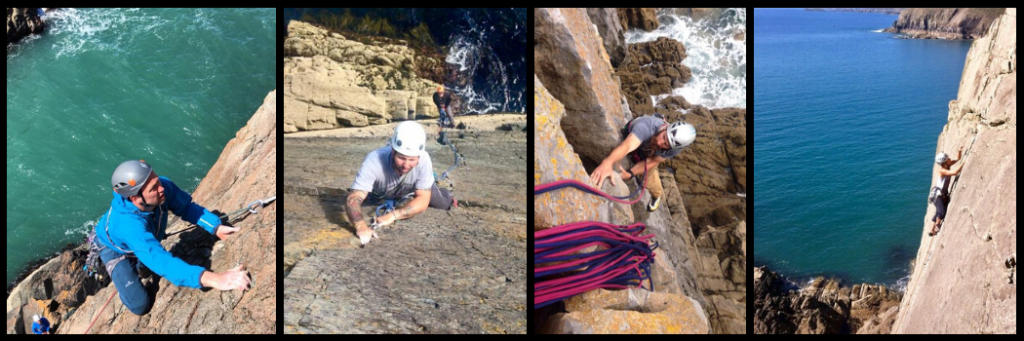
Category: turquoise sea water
[846,120]
[101,86]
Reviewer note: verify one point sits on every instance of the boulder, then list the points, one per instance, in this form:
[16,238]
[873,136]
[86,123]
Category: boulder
[642,18]
[610,28]
[631,311]
[571,60]
[653,68]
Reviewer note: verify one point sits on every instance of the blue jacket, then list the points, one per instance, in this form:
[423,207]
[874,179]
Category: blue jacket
[41,327]
[141,232]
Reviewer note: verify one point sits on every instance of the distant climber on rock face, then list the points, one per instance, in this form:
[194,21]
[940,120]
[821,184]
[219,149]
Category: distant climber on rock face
[442,100]
[129,236]
[40,325]
[394,173]
[940,193]
[647,138]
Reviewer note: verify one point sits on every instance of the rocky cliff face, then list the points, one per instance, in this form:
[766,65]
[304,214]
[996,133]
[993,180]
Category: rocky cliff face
[944,23]
[246,171]
[331,81]
[964,278]
[571,61]
[579,108]
[642,18]
[824,306]
[602,311]
[456,271]
[22,22]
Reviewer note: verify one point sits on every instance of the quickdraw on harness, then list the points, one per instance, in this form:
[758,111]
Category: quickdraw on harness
[561,272]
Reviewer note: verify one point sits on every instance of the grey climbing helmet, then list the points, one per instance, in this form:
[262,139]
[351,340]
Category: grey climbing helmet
[130,176]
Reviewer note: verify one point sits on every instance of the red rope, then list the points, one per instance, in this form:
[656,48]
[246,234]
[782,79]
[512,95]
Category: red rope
[98,312]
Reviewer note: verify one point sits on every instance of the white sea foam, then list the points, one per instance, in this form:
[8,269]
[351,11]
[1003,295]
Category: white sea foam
[714,55]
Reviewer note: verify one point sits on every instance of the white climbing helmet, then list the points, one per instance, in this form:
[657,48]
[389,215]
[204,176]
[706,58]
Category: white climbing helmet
[941,158]
[35,318]
[409,139]
[681,134]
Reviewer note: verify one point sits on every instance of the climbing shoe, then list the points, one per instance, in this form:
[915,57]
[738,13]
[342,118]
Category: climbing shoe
[653,205]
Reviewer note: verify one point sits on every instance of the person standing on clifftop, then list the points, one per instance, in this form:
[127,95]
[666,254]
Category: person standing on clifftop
[941,190]
[129,236]
[647,138]
[394,173]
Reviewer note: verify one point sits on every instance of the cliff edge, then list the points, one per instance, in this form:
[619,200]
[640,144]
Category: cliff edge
[964,278]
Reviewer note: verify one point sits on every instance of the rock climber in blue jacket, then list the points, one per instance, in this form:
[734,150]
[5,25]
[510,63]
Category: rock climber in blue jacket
[40,325]
[131,230]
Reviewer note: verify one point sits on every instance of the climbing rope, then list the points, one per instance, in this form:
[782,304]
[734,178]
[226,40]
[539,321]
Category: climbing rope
[551,186]
[623,262]
[97,316]
[236,216]
[455,152]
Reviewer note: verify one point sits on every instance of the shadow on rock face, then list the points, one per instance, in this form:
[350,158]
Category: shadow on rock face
[334,209]
[195,247]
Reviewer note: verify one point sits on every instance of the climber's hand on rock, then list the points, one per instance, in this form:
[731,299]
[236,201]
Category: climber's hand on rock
[365,234]
[386,219]
[604,171]
[234,279]
[224,231]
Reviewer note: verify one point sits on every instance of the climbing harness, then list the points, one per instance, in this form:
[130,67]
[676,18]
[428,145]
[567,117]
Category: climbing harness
[625,260]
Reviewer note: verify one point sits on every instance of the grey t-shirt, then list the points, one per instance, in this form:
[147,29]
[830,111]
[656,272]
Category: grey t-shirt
[377,176]
[644,128]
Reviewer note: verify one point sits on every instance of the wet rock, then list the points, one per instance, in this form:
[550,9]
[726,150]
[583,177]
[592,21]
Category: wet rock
[824,306]
[642,18]
[21,22]
[654,68]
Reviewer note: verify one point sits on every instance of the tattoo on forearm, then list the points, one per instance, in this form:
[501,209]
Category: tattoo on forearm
[404,212]
[355,199]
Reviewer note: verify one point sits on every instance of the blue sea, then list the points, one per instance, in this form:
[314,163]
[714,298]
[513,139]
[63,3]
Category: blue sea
[846,120]
[102,86]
